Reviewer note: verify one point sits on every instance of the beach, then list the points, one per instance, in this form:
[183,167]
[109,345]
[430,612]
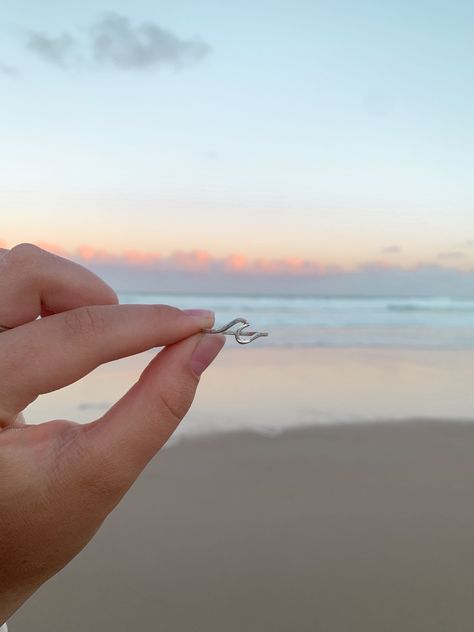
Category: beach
[344,528]
[308,489]
[273,389]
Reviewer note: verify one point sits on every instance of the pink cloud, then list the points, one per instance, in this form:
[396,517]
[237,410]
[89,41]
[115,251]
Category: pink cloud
[288,266]
[89,253]
[141,258]
[235,264]
[54,248]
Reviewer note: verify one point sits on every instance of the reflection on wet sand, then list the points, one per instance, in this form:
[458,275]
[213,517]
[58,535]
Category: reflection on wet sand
[269,389]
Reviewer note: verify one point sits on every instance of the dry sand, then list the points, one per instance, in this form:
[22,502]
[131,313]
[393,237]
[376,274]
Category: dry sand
[342,529]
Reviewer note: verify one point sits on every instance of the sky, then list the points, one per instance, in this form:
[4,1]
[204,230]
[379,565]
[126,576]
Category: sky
[298,139]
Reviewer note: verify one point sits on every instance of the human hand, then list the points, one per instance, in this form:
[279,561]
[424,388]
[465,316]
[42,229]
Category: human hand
[59,480]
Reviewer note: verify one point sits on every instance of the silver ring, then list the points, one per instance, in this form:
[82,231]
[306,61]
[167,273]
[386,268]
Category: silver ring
[2,328]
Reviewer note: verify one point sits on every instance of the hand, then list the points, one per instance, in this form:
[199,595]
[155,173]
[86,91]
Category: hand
[59,480]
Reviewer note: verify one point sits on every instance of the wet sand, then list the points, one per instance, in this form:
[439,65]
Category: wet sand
[275,388]
[357,528]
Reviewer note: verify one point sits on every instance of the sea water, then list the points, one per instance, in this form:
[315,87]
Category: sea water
[326,360]
[318,321]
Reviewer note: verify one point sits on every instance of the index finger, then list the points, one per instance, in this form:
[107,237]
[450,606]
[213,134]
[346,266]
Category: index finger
[50,353]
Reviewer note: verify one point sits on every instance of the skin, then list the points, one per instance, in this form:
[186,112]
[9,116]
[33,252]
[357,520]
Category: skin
[59,480]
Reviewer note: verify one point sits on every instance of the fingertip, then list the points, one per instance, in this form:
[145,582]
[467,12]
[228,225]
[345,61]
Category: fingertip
[205,352]
[205,317]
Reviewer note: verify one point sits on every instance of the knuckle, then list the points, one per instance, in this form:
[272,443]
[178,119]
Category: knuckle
[163,312]
[174,404]
[25,250]
[172,410]
[23,255]
[85,321]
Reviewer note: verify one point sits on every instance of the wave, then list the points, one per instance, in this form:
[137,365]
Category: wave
[414,322]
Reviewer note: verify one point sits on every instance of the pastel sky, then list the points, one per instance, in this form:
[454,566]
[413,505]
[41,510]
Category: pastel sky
[315,134]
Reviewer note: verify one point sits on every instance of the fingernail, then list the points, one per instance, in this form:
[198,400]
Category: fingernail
[205,317]
[205,352]
[199,312]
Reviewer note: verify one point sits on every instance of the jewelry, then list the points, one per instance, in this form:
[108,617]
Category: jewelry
[242,337]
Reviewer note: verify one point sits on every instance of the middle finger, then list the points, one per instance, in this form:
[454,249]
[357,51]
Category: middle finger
[36,282]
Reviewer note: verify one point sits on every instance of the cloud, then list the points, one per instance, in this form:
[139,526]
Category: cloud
[266,276]
[54,248]
[195,261]
[454,254]
[114,41]
[89,253]
[60,51]
[391,250]
[236,261]
[8,71]
[199,271]
[137,257]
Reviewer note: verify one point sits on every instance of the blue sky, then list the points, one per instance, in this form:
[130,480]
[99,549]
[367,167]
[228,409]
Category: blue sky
[326,131]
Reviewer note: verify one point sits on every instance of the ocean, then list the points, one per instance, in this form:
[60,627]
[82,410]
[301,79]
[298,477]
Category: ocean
[307,321]
[325,361]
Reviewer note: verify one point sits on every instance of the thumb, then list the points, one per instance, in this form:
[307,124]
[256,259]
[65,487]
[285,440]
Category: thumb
[123,441]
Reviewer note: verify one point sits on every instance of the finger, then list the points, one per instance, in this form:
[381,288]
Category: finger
[35,282]
[138,425]
[51,353]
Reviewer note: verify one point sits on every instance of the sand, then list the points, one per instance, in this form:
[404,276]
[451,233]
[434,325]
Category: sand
[270,388]
[331,529]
